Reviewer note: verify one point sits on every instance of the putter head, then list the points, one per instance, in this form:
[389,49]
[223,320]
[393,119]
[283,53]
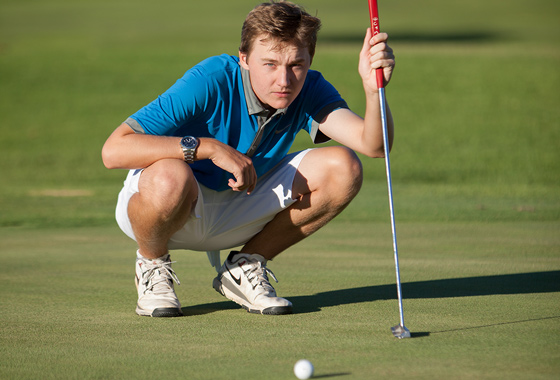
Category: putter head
[400,331]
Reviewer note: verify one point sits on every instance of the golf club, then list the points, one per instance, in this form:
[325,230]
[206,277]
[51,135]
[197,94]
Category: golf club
[400,331]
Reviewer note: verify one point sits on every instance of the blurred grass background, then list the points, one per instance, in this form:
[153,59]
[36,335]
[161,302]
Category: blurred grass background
[475,98]
[476,176]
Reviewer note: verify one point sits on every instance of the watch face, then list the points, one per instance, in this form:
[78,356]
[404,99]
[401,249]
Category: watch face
[189,142]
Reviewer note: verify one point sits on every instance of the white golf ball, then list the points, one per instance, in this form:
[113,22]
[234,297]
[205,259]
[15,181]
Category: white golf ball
[303,369]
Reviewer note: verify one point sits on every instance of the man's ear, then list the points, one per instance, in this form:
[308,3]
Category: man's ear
[243,57]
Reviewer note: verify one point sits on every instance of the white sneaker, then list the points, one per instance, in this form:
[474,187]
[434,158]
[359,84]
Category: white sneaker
[154,281]
[243,279]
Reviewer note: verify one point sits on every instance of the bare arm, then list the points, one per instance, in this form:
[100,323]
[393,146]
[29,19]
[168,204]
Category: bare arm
[126,149]
[365,135]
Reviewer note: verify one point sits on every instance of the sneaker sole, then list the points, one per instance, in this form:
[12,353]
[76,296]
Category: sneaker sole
[274,310]
[162,312]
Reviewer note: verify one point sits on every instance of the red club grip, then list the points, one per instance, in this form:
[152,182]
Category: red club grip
[374,16]
[374,19]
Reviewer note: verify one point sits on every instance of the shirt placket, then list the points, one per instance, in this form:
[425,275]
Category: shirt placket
[263,121]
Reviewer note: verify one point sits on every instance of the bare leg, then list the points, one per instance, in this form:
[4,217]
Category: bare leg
[167,193]
[327,180]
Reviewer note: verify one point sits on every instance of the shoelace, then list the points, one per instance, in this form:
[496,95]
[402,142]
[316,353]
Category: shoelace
[165,273]
[257,275]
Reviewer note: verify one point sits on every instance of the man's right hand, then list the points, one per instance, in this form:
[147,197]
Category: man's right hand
[126,149]
[230,160]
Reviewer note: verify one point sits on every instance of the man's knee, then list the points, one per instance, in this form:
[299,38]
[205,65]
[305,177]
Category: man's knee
[168,183]
[344,169]
[335,170]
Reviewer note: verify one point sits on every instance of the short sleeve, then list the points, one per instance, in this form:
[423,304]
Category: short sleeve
[322,99]
[185,101]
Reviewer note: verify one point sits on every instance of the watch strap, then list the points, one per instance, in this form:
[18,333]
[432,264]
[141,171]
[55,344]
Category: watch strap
[189,145]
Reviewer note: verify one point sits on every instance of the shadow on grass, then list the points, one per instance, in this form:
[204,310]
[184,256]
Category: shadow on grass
[208,308]
[493,325]
[521,283]
[331,375]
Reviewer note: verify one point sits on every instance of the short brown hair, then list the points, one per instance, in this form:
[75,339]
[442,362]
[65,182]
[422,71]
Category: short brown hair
[282,21]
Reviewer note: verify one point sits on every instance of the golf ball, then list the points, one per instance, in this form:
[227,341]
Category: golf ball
[303,369]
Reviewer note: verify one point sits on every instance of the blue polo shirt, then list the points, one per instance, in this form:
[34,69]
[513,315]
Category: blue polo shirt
[215,99]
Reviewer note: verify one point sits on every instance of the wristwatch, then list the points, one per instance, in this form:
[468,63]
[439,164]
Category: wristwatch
[189,144]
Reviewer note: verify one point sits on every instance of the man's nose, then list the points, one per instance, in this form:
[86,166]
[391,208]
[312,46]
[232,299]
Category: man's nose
[283,78]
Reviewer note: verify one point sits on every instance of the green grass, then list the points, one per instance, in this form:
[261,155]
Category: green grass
[476,176]
[480,304]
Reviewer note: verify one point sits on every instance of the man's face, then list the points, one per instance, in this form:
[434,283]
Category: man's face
[277,74]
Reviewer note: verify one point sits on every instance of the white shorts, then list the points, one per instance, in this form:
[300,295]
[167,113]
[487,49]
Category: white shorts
[224,219]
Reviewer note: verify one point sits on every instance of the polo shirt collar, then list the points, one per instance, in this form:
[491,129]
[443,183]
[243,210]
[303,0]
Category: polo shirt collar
[254,105]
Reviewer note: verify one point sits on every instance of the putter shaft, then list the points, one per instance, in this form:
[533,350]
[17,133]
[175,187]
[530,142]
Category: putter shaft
[399,331]
[382,105]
